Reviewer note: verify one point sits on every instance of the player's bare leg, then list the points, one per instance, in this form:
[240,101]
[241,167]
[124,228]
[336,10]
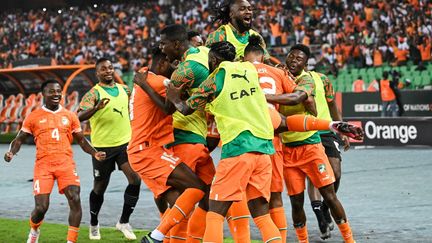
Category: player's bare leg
[337,212]
[72,194]
[37,215]
[183,179]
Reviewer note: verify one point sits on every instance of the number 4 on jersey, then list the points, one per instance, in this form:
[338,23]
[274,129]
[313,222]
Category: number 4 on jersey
[55,134]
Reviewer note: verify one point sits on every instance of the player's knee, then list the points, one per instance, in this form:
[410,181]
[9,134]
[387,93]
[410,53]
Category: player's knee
[41,209]
[75,198]
[330,197]
[136,180]
[275,200]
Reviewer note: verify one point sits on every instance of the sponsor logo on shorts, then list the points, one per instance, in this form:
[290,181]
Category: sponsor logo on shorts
[322,168]
[96,173]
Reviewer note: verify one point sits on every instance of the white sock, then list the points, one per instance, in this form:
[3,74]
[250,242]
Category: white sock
[33,231]
[157,235]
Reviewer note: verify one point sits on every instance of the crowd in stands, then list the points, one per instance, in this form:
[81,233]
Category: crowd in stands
[360,33]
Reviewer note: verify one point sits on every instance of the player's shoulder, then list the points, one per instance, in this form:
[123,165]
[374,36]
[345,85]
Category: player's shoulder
[35,114]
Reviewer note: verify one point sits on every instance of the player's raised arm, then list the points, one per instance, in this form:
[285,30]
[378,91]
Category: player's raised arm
[164,104]
[15,145]
[288,99]
[87,147]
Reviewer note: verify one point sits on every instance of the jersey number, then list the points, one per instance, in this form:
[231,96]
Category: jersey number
[36,186]
[268,90]
[55,134]
[271,81]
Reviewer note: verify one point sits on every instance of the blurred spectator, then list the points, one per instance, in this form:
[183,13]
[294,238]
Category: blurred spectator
[356,32]
[358,85]
[195,38]
[388,97]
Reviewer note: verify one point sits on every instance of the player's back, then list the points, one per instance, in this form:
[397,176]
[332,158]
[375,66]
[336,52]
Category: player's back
[52,131]
[274,80]
[150,125]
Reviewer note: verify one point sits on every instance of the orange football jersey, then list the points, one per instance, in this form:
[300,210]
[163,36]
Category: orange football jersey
[52,131]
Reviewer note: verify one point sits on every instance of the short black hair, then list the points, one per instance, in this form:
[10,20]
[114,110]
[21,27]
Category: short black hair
[49,81]
[255,45]
[303,48]
[385,74]
[101,60]
[221,11]
[192,34]
[224,49]
[175,32]
[157,54]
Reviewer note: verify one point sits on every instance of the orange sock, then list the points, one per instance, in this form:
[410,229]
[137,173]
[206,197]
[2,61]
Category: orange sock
[178,233]
[302,234]
[196,226]
[184,204]
[279,219]
[72,234]
[214,229]
[238,221]
[268,229]
[35,226]
[346,232]
[302,123]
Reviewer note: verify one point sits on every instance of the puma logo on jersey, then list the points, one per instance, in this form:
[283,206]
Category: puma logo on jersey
[234,75]
[120,112]
[43,120]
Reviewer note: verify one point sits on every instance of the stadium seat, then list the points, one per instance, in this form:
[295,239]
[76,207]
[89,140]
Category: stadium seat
[30,102]
[13,113]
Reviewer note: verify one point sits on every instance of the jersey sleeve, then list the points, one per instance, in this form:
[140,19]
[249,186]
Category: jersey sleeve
[207,91]
[75,123]
[306,84]
[215,36]
[184,74]
[288,85]
[328,88]
[27,125]
[89,100]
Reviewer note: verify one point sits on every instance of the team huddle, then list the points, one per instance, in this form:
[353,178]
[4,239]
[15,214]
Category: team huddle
[271,123]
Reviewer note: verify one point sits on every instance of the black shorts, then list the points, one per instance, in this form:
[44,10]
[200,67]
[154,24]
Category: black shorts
[331,143]
[114,155]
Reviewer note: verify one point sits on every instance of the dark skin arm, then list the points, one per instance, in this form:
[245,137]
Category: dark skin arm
[87,147]
[16,145]
[293,99]
[85,115]
[287,99]
[164,104]
[174,94]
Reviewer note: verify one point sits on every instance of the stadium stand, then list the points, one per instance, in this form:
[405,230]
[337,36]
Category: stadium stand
[353,33]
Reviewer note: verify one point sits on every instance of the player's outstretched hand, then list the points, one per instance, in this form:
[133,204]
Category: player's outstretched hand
[8,156]
[140,78]
[347,129]
[100,155]
[102,103]
[173,93]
